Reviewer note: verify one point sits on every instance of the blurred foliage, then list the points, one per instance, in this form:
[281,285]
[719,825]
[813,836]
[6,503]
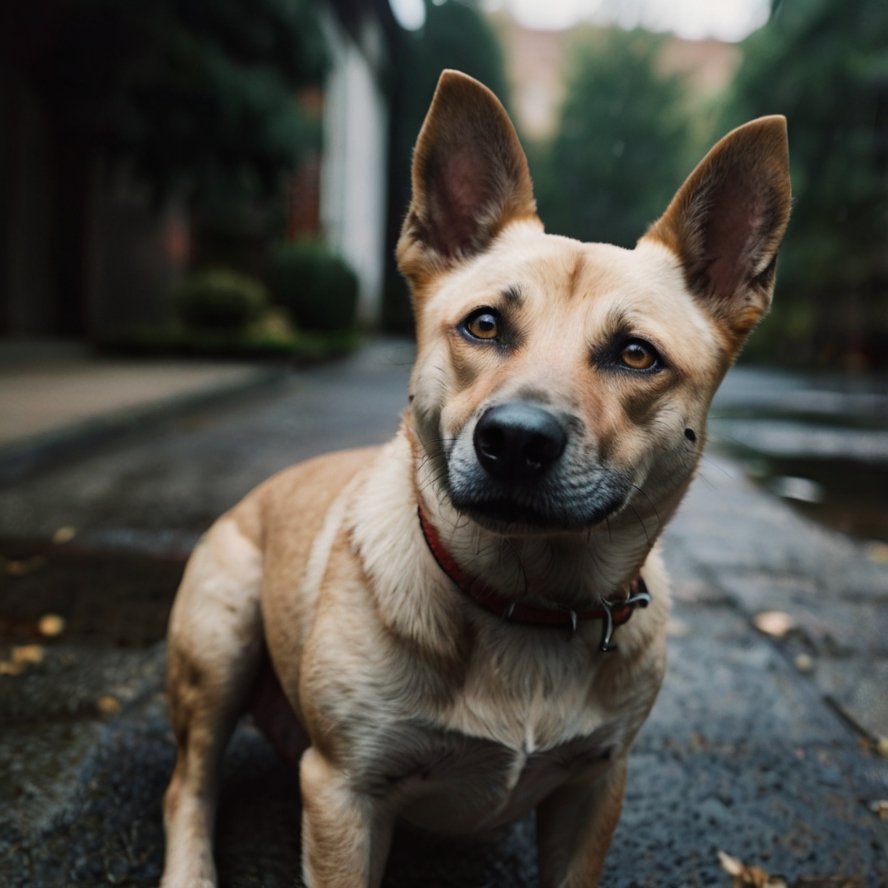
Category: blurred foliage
[455,35]
[825,66]
[622,145]
[219,300]
[318,289]
[195,94]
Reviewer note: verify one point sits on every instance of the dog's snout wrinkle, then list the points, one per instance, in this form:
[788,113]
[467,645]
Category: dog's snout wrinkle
[518,442]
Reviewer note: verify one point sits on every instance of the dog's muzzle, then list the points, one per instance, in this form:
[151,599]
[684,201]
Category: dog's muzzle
[522,464]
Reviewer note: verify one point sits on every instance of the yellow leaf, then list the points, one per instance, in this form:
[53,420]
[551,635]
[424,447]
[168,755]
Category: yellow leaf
[51,625]
[28,654]
[108,705]
[64,535]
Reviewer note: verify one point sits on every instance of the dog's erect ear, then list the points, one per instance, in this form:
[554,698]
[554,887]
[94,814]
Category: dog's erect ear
[470,179]
[727,220]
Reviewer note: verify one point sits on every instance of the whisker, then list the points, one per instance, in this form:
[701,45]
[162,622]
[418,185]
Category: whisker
[641,522]
[653,506]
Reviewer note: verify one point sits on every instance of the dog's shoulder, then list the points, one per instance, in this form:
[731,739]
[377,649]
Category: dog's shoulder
[293,502]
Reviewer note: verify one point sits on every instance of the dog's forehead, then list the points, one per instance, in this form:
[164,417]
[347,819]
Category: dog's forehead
[592,282]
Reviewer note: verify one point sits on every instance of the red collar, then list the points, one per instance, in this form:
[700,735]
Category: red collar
[612,614]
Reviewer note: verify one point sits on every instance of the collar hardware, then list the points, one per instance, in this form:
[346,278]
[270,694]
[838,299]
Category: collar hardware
[612,613]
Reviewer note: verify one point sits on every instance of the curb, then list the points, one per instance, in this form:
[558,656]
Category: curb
[24,458]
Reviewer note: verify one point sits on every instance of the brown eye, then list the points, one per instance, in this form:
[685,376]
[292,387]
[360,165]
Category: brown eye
[638,355]
[483,324]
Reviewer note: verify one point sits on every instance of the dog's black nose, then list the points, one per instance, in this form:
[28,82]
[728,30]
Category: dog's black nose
[517,442]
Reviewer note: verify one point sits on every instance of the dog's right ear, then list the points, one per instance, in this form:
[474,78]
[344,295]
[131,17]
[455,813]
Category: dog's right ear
[470,179]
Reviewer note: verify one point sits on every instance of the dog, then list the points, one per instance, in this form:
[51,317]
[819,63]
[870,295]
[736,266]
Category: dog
[469,622]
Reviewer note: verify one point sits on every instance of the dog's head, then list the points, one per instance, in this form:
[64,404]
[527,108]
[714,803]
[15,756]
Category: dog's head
[558,383]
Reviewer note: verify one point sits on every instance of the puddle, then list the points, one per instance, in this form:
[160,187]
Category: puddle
[834,473]
[846,495]
[819,442]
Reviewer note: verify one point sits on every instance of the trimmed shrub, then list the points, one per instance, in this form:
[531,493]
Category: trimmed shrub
[220,301]
[318,289]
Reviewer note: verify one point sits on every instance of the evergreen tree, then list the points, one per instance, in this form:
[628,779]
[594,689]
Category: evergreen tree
[192,93]
[621,149]
[825,66]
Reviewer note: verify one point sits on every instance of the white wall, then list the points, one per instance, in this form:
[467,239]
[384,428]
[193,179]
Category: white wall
[354,164]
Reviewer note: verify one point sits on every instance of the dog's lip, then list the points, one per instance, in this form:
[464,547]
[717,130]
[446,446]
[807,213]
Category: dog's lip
[502,513]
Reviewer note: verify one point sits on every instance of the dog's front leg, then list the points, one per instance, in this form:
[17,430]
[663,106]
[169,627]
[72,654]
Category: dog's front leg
[346,834]
[574,828]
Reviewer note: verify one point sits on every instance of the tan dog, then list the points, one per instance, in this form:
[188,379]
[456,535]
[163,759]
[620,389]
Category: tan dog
[434,629]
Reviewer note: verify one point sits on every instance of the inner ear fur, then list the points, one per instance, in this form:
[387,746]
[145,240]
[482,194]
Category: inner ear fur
[727,221]
[470,179]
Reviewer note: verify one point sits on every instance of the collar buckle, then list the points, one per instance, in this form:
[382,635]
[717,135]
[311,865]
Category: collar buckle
[636,596]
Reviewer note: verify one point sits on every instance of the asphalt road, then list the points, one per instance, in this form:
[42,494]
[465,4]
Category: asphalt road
[761,746]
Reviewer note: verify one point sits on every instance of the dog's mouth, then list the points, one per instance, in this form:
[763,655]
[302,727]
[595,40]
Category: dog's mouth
[547,509]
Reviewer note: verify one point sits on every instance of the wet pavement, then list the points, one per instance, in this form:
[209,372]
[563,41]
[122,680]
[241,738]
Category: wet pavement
[765,742]
[818,441]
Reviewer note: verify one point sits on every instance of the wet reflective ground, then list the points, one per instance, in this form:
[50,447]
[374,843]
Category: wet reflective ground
[819,442]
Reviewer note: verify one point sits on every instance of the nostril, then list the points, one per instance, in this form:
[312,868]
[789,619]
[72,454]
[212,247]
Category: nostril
[490,441]
[518,441]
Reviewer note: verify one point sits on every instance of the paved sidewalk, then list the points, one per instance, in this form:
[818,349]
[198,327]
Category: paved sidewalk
[56,399]
[765,742]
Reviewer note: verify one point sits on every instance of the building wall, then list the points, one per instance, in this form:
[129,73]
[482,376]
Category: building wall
[353,171]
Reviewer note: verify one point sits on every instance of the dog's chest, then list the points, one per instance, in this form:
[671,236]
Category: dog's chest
[450,782]
[496,751]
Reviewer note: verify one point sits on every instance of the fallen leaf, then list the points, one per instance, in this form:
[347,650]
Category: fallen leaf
[108,705]
[880,808]
[731,865]
[51,625]
[20,658]
[882,746]
[774,623]
[64,535]
[28,654]
[744,876]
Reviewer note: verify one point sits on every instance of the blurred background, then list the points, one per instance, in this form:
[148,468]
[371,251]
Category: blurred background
[199,202]
[193,178]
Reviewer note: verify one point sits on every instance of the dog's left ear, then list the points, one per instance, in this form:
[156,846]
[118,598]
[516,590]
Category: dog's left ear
[470,179]
[727,221]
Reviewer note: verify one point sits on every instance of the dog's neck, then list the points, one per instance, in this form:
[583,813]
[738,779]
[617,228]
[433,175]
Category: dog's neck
[576,569]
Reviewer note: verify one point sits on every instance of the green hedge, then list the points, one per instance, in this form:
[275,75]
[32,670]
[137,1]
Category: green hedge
[219,300]
[317,288]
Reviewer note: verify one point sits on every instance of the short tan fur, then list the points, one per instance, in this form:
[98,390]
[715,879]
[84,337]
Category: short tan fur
[557,415]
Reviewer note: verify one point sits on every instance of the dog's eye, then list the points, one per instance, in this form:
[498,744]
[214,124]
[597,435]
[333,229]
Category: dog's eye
[484,323]
[639,355]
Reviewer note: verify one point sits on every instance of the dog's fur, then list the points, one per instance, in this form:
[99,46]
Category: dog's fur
[318,596]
